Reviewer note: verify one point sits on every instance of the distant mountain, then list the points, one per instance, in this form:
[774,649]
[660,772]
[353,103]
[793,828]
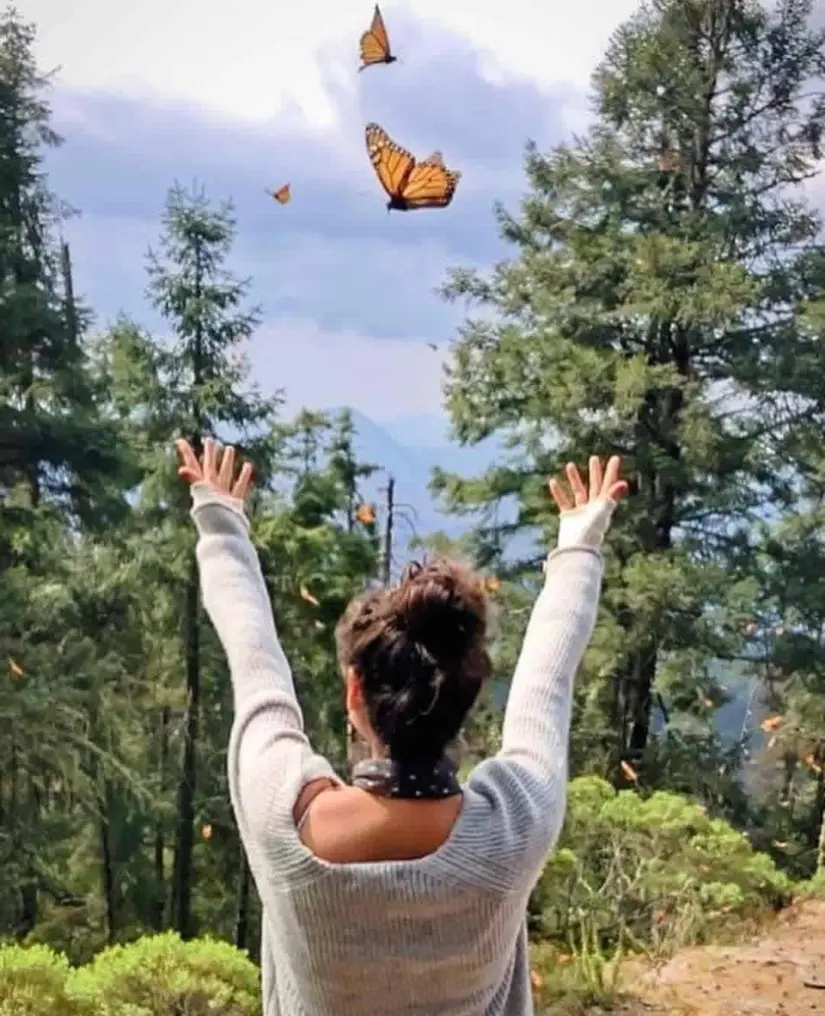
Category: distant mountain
[409,450]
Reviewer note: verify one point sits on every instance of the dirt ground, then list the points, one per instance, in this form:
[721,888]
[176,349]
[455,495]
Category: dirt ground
[766,977]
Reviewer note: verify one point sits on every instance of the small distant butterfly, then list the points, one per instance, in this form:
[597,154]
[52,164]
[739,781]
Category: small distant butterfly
[409,184]
[365,513]
[283,195]
[375,43]
[670,161]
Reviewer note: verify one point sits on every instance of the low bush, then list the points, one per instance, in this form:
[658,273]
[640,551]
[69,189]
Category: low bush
[33,983]
[653,873]
[155,976]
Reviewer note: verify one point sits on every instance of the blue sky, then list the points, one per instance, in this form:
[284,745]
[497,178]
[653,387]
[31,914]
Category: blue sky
[241,99]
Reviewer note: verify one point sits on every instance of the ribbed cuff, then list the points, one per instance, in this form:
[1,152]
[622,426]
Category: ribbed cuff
[208,505]
[586,526]
[576,548]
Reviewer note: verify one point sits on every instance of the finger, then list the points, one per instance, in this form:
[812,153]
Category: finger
[227,470]
[611,474]
[209,453]
[188,457]
[595,470]
[576,483]
[559,495]
[189,474]
[619,490]
[244,481]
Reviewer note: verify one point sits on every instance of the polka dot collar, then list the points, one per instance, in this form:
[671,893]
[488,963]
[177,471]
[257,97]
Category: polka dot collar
[420,782]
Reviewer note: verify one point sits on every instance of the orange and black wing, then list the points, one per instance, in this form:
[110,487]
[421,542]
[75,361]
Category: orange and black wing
[375,43]
[393,164]
[282,195]
[430,184]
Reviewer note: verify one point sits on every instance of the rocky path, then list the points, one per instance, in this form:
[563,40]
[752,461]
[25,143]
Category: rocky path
[781,973]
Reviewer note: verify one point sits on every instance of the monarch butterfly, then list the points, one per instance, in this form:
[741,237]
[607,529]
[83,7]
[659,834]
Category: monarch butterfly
[670,161]
[365,513]
[283,195]
[375,43]
[409,184]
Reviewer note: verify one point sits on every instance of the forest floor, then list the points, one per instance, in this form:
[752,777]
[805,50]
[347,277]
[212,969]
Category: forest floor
[763,977]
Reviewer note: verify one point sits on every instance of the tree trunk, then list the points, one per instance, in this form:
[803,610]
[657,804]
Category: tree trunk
[70,307]
[655,437]
[643,669]
[242,911]
[182,875]
[159,908]
[28,909]
[108,882]
[820,852]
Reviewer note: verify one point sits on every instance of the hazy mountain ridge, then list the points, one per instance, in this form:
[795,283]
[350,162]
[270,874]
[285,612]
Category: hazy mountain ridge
[397,451]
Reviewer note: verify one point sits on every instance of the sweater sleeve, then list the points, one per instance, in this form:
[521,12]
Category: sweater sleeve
[537,719]
[270,757]
[525,784]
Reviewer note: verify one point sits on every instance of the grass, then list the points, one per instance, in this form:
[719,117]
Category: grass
[578,981]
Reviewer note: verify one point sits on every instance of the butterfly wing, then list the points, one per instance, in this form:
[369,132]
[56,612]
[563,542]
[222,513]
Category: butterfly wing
[283,194]
[430,184]
[375,43]
[393,164]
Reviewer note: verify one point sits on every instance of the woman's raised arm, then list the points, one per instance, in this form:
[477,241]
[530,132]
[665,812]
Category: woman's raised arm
[269,750]
[537,719]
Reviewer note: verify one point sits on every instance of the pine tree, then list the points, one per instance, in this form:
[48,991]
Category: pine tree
[204,377]
[786,634]
[53,444]
[60,465]
[320,551]
[652,308]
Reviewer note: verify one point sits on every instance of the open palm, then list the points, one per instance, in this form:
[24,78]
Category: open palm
[604,483]
[216,467]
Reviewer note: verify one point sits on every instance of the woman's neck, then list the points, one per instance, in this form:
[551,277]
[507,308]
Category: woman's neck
[427,779]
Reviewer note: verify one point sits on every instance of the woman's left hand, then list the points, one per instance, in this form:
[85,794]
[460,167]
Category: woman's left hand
[605,484]
[215,468]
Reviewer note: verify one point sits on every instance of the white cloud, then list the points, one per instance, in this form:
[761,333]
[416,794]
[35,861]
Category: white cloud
[318,367]
[384,378]
[259,58]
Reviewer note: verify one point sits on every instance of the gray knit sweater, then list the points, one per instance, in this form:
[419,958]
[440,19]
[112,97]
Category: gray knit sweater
[441,936]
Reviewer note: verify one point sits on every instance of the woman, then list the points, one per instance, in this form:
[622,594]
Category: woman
[405,892]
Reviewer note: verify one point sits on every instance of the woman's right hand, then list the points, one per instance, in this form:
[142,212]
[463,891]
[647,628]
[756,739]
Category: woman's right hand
[216,468]
[586,513]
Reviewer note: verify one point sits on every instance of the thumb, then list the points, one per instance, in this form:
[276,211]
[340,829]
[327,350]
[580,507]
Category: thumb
[618,490]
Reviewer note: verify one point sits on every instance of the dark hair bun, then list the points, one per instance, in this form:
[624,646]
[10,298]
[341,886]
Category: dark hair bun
[419,650]
[442,607]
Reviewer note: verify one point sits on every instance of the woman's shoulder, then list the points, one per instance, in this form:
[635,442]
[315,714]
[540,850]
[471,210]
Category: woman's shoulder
[521,807]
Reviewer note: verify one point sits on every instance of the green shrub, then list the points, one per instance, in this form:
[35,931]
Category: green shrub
[164,976]
[814,886]
[76,932]
[33,983]
[656,871]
